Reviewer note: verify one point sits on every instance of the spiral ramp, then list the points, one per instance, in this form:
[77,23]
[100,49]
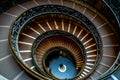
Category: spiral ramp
[95,64]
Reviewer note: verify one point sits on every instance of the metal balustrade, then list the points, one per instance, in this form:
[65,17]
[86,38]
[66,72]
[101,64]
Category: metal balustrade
[106,39]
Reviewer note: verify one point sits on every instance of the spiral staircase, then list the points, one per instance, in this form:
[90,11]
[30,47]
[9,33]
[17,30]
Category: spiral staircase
[38,37]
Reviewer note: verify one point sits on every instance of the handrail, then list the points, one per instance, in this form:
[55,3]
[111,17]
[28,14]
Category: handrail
[114,6]
[53,9]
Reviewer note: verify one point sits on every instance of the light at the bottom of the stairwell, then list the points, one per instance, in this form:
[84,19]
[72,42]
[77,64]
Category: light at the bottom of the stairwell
[62,68]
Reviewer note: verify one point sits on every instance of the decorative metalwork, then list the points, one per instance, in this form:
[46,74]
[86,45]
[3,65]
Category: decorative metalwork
[56,33]
[46,9]
[51,9]
[115,6]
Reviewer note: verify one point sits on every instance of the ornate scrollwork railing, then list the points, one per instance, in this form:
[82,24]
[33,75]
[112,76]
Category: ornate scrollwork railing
[51,9]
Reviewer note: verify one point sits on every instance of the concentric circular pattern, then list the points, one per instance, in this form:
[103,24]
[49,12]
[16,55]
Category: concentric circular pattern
[60,63]
[74,35]
[23,24]
[58,39]
[57,30]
